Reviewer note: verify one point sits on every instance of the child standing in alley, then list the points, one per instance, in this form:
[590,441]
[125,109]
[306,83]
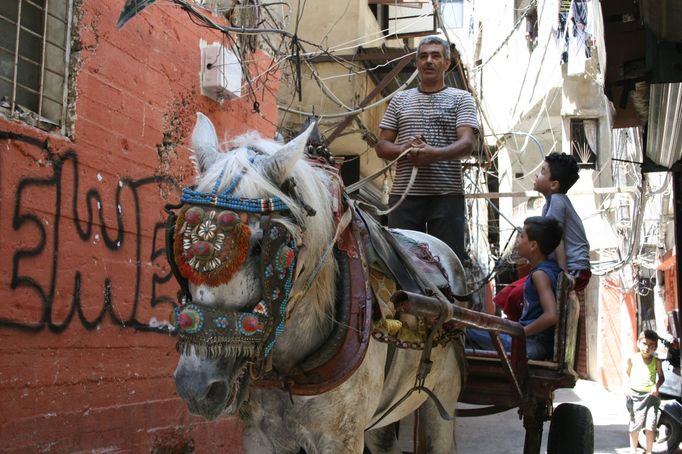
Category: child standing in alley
[642,398]
[557,175]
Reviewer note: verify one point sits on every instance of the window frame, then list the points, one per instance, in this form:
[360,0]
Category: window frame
[54,52]
[579,151]
[460,4]
[383,10]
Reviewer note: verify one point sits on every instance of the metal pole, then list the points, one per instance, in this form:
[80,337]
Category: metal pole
[677,194]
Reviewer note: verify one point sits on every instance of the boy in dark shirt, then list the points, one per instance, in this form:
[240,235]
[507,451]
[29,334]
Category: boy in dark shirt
[540,236]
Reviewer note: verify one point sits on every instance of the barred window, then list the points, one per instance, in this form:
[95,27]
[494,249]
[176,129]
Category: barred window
[34,54]
[585,141]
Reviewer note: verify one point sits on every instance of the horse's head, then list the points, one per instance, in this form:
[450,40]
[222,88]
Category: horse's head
[245,237]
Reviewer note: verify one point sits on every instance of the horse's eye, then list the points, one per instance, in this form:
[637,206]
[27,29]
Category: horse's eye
[256,249]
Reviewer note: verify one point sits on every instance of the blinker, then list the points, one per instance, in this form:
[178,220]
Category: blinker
[217,331]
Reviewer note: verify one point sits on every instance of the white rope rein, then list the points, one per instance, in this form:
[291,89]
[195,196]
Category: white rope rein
[369,207]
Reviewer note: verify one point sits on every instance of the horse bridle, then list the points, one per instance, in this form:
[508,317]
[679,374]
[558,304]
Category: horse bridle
[202,217]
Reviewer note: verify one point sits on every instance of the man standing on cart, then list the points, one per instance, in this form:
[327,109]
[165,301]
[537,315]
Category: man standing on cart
[439,124]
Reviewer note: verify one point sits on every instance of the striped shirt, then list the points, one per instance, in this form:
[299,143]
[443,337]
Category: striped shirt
[436,116]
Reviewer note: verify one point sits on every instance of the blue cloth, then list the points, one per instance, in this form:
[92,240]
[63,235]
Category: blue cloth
[535,347]
[539,346]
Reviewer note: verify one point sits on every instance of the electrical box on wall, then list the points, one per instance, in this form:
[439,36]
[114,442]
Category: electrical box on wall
[221,72]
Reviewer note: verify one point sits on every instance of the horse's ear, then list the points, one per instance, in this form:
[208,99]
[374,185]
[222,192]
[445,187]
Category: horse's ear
[204,143]
[280,165]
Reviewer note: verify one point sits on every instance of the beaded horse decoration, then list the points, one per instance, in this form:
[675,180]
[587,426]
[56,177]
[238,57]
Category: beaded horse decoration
[215,332]
[211,243]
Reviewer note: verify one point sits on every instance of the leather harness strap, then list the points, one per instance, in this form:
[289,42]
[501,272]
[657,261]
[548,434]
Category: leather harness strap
[186,296]
[351,352]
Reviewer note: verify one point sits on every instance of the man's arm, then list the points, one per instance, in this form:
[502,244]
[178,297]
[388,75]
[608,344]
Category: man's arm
[386,147]
[549,317]
[661,377]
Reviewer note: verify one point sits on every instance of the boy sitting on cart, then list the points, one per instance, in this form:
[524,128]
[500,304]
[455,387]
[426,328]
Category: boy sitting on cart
[540,236]
[558,173]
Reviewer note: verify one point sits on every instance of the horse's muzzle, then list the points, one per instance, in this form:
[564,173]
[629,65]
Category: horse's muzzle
[205,388]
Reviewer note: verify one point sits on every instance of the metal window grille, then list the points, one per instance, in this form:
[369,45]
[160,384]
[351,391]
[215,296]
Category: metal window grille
[34,55]
[585,141]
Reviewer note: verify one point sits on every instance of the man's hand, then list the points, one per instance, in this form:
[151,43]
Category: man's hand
[422,153]
[413,142]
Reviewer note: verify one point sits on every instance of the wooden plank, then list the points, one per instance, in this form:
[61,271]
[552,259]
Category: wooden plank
[385,81]
[402,3]
[530,194]
[382,56]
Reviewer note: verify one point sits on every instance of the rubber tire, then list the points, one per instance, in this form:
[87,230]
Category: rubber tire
[571,430]
[666,426]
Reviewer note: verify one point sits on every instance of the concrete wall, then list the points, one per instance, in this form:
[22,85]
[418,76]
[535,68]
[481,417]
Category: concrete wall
[84,282]
[339,27]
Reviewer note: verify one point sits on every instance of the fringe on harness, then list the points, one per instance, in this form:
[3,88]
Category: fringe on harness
[213,348]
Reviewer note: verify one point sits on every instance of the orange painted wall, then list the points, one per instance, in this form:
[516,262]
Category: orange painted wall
[617,331]
[84,281]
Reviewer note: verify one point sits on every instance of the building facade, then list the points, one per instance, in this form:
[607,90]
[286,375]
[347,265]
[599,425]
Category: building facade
[94,126]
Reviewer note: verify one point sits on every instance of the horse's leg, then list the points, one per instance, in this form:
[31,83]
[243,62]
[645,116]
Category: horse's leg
[382,440]
[263,435]
[255,440]
[435,434]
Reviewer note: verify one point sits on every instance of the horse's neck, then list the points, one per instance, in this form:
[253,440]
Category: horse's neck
[311,321]
[304,335]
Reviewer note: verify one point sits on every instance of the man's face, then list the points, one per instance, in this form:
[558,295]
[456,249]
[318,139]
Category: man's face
[543,180]
[431,63]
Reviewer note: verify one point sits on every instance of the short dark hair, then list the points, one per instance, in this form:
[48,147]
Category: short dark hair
[545,230]
[649,334]
[436,40]
[564,169]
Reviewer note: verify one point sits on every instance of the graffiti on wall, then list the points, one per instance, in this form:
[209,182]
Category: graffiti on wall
[78,253]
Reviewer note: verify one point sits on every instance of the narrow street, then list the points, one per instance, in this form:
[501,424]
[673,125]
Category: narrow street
[503,433]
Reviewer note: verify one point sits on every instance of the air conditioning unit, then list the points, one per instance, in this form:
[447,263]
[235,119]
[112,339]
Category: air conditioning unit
[221,72]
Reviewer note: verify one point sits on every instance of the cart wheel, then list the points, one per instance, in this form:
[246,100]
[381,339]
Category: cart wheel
[571,430]
[667,435]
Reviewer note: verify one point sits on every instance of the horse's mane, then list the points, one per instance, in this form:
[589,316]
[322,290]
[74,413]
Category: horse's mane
[247,156]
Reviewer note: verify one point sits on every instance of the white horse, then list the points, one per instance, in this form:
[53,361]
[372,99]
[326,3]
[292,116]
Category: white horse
[216,378]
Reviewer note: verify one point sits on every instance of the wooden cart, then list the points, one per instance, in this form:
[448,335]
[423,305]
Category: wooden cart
[498,381]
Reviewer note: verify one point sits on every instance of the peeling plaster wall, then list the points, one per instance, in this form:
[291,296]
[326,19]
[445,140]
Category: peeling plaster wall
[340,26]
[85,283]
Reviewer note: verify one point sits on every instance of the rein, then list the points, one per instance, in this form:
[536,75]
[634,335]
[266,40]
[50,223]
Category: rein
[371,208]
[343,223]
